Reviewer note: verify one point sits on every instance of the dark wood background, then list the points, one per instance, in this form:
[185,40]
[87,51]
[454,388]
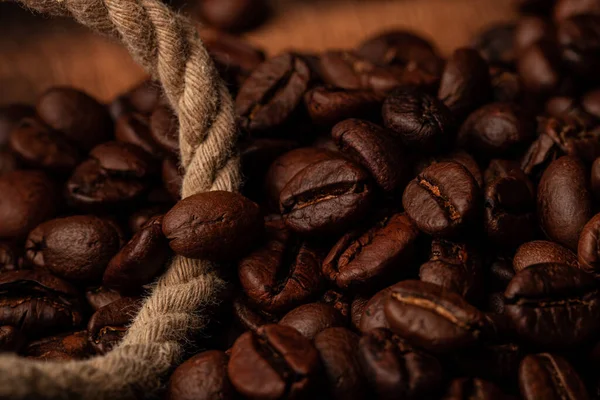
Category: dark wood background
[37,52]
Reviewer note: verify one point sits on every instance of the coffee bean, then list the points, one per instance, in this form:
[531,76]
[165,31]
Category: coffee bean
[75,114]
[38,303]
[564,201]
[283,273]
[250,317]
[456,267]
[553,306]
[326,197]
[100,296]
[496,44]
[590,102]
[39,147]
[327,106]
[357,308]
[134,128]
[374,148]
[465,83]
[531,29]
[567,8]
[145,97]
[108,324]
[164,129]
[140,260]
[373,313]
[506,85]
[539,66]
[339,301]
[433,318]
[579,41]
[11,339]
[10,118]
[364,258]
[138,218]
[285,167]
[283,363]
[442,199]
[338,351]
[509,209]
[213,225]
[232,15]
[473,388]
[548,376]
[392,366]
[115,174]
[75,248]
[69,346]
[588,250]
[28,199]
[202,377]
[11,256]
[272,93]
[418,119]
[496,130]
[312,318]
[541,252]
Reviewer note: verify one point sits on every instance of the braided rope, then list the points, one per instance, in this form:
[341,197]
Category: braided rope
[167,45]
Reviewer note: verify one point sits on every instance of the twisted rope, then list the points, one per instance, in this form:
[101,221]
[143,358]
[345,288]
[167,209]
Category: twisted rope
[168,47]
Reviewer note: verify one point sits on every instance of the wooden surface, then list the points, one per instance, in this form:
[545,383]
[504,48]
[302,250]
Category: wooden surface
[37,52]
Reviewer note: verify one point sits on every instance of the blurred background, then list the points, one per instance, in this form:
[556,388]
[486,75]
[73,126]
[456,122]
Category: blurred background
[37,52]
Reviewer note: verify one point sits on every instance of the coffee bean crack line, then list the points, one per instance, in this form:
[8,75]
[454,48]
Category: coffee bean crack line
[439,197]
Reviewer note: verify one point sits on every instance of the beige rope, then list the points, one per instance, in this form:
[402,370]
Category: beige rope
[167,45]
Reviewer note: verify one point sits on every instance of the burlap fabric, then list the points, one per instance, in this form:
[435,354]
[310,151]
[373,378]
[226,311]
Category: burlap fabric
[167,45]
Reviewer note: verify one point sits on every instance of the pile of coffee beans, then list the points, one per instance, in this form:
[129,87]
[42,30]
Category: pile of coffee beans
[411,227]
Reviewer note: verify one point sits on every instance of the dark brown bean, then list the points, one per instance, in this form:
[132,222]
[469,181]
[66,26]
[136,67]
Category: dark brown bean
[134,128]
[232,15]
[548,376]
[312,318]
[588,248]
[100,297]
[164,129]
[108,325]
[579,41]
[496,44]
[540,252]
[327,106]
[68,346]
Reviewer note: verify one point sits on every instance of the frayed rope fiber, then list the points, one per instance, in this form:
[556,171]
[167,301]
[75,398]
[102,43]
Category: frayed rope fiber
[167,46]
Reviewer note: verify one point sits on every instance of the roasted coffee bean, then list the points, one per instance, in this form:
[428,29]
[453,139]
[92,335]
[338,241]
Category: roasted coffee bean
[75,248]
[108,324]
[496,130]
[202,377]
[338,350]
[275,362]
[565,108]
[234,58]
[564,201]
[10,118]
[172,177]
[312,318]
[100,296]
[10,256]
[541,252]
[325,197]
[145,97]
[539,66]
[232,15]
[75,114]
[579,41]
[134,128]
[248,316]
[375,149]
[392,366]
[419,120]
[496,44]
[213,225]
[164,129]
[285,167]
[590,102]
[456,267]
[549,376]
[37,302]
[28,199]
[357,308]
[433,318]
[327,106]
[531,29]
[553,306]
[402,48]
[39,147]
[442,199]
[140,260]
[373,312]
[473,388]
[568,8]
[506,85]
[465,83]
[364,258]
[272,93]
[588,249]
[339,301]
[509,210]
[11,339]
[283,273]
[137,219]
[461,157]
[115,174]
[68,346]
